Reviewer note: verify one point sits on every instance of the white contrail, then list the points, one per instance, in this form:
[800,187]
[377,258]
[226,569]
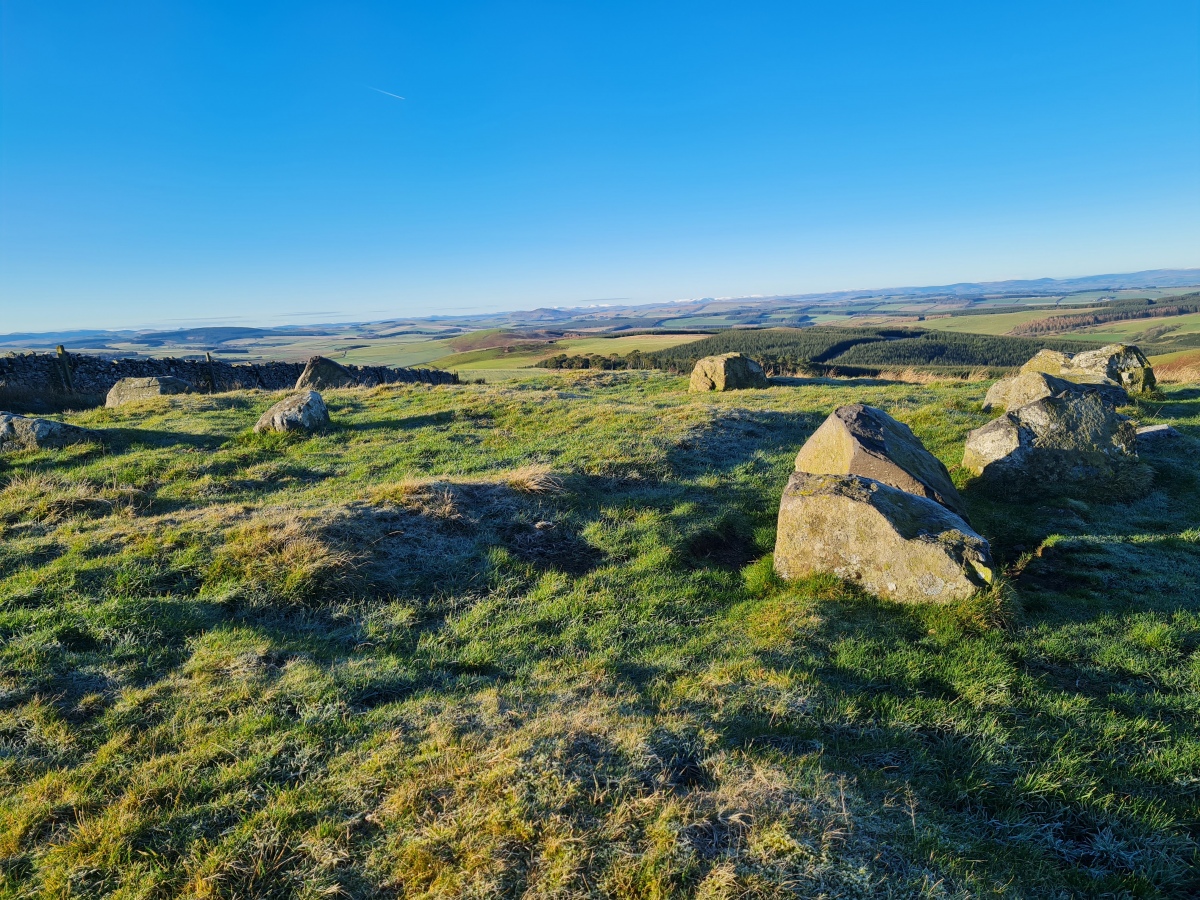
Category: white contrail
[389,93]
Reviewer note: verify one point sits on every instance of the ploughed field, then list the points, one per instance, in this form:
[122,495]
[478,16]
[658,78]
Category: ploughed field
[525,640]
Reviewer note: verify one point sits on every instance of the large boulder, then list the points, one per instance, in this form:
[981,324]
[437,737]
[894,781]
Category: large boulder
[862,440]
[303,411]
[21,433]
[1070,437]
[727,372]
[322,374]
[894,544]
[1121,364]
[127,390]
[1029,387]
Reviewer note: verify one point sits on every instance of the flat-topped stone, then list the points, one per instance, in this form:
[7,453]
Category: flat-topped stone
[727,372]
[1153,434]
[129,390]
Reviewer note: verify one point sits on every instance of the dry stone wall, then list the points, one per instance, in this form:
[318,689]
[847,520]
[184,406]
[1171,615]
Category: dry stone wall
[45,375]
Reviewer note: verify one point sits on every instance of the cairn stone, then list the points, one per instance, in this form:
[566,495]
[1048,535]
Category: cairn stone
[303,411]
[322,374]
[862,440]
[894,544]
[1120,364]
[128,390]
[727,372]
[1029,387]
[1070,437]
[22,433]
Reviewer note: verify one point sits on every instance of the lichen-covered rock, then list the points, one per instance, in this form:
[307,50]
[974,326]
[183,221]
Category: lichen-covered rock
[22,433]
[322,374]
[1120,364]
[1066,438]
[862,440]
[1029,387]
[727,372]
[127,390]
[893,543]
[1123,363]
[304,411]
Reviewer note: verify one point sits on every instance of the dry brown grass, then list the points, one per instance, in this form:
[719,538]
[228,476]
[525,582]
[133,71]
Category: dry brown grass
[282,556]
[912,375]
[1184,371]
[533,480]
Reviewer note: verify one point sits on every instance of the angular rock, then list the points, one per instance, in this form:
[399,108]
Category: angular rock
[322,374]
[1071,437]
[1123,363]
[21,433]
[1155,434]
[1028,387]
[893,543]
[304,411]
[128,390]
[1120,364]
[727,372]
[862,440]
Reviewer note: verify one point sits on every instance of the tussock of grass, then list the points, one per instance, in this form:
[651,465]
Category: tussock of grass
[526,640]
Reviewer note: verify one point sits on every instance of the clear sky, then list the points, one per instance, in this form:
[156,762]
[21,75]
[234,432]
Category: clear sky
[166,163]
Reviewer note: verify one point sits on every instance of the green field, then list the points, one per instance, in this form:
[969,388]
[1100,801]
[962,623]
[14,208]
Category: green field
[1000,323]
[497,364]
[1133,330]
[524,641]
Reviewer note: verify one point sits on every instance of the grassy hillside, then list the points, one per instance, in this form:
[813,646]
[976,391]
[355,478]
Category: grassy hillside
[525,641]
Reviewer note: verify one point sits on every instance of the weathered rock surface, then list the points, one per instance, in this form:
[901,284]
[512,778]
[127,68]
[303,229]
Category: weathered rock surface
[1155,434]
[1066,438]
[22,433]
[893,543]
[127,390]
[727,372]
[322,374]
[862,440]
[304,411]
[1121,364]
[1029,387]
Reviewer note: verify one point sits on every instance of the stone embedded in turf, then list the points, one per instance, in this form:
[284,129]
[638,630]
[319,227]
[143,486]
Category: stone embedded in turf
[322,374]
[1120,364]
[1029,387]
[128,390]
[1154,434]
[1072,437]
[305,411]
[863,440]
[727,372]
[892,543]
[22,433]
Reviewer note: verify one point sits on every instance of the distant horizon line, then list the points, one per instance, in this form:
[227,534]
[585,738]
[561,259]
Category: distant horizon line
[841,295]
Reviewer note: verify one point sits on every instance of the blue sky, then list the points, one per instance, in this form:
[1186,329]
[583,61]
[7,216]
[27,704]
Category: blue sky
[164,163]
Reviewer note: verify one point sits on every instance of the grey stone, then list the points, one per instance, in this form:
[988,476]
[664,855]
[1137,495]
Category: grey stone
[727,372]
[22,433]
[1154,434]
[1028,387]
[1120,364]
[862,440]
[894,544]
[303,411]
[322,374]
[1065,438]
[128,390]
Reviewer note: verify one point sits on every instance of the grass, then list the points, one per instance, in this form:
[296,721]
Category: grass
[1000,323]
[524,640]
